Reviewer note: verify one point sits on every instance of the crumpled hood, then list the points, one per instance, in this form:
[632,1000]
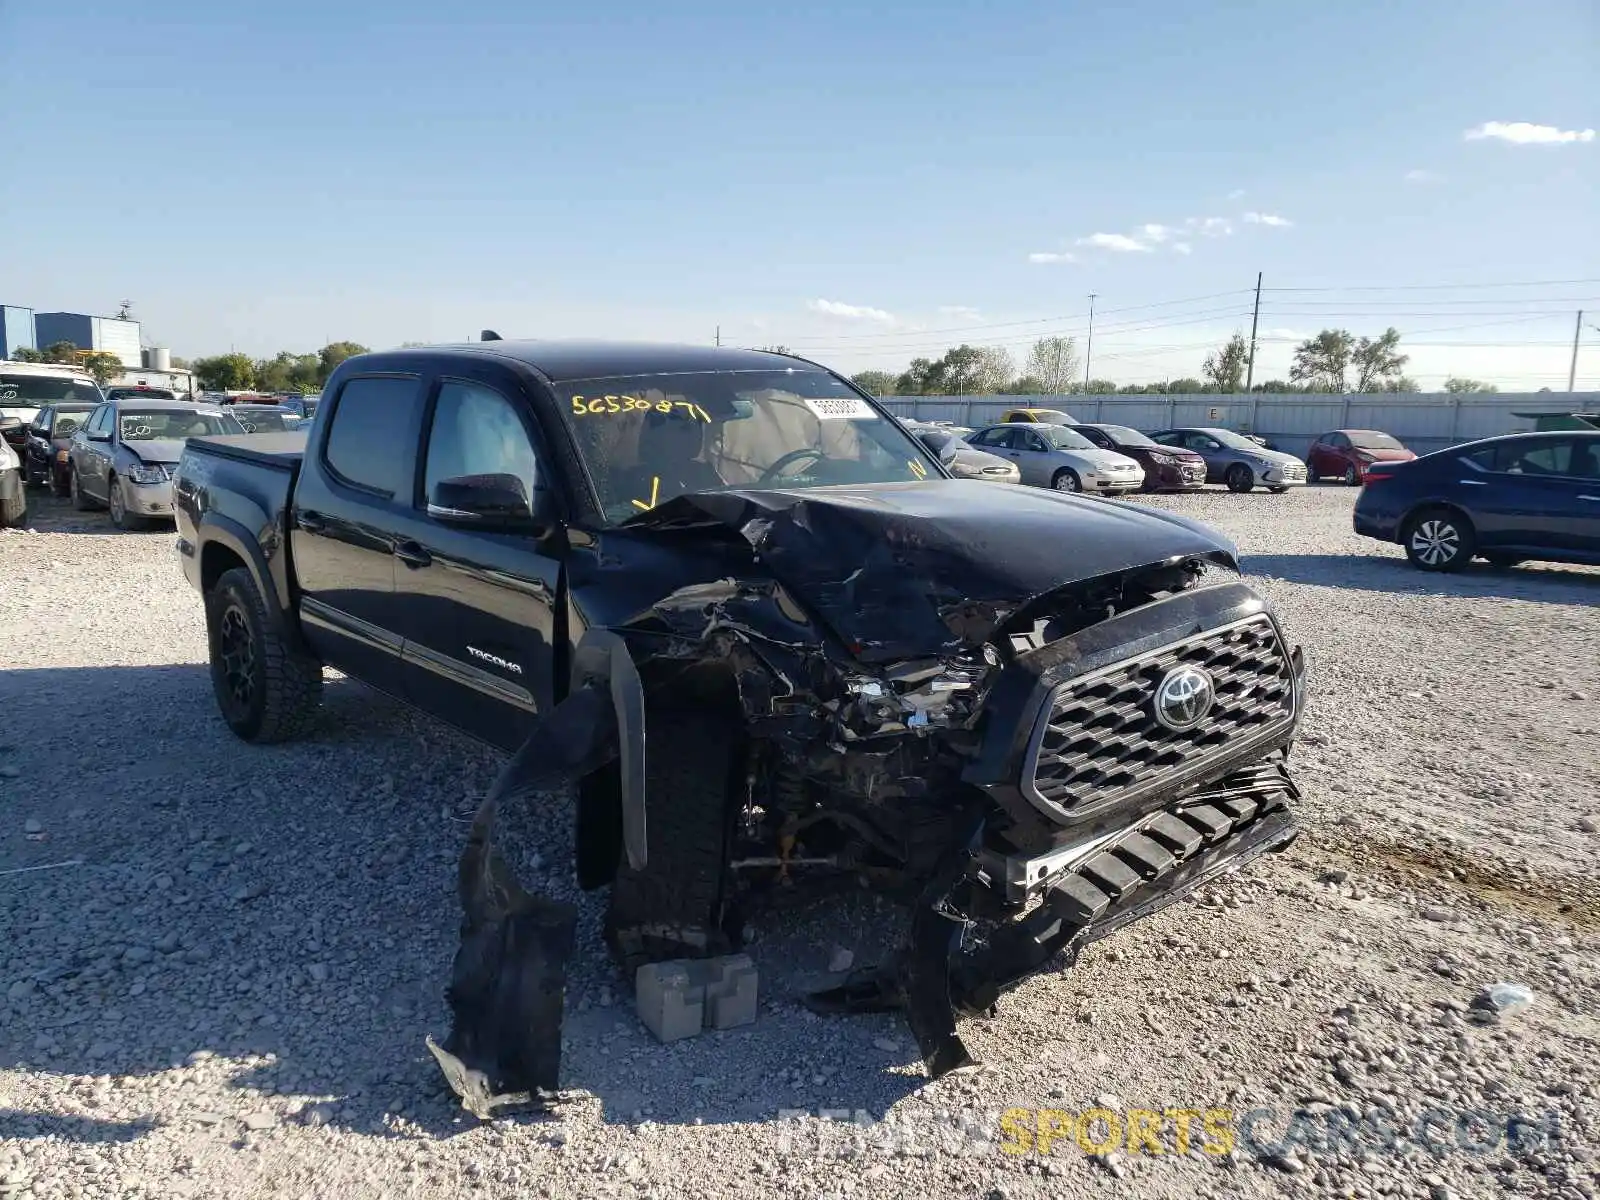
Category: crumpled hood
[158,450]
[902,570]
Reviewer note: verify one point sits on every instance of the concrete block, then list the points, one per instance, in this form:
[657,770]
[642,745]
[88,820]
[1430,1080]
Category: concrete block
[681,998]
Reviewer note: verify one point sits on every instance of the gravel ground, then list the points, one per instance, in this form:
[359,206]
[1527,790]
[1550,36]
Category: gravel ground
[225,990]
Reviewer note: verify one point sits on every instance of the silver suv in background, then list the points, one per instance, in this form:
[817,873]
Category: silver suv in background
[122,457]
[1054,456]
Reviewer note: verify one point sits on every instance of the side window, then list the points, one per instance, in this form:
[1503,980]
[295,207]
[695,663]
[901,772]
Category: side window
[988,437]
[1032,441]
[1536,458]
[1096,436]
[101,421]
[1585,458]
[41,422]
[369,444]
[1168,439]
[1339,442]
[476,431]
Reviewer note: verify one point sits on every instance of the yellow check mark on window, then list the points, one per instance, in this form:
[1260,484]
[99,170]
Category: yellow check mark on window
[655,491]
[917,469]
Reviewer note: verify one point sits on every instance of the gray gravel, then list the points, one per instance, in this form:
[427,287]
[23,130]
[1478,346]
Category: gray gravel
[225,990]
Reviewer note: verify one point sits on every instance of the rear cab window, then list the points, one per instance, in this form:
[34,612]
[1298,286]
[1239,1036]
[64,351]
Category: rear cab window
[372,437]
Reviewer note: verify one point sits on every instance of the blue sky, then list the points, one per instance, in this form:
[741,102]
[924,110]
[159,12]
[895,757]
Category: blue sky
[851,180]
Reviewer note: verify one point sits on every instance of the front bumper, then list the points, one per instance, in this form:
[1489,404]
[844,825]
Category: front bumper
[1284,476]
[1180,477]
[148,499]
[1113,482]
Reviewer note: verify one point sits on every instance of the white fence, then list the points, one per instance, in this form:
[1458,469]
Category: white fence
[1424,421]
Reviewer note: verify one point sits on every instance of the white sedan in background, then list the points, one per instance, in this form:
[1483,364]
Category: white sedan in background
[1054,456]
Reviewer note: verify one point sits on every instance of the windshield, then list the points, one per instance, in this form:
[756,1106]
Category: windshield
[1371,439]
[1063,438]
[1042,416]
[1236,441]
[936,440]
[266,422]
[648,438]
[1123,436]
[170,423]
[67,421]
[32,392]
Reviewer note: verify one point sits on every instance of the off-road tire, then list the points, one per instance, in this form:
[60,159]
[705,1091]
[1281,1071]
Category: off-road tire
[280,701]
[1439,539]
[1240,478]
[677,906]
[81,500]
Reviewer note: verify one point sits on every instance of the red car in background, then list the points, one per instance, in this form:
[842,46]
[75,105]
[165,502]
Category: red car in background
[1345,454]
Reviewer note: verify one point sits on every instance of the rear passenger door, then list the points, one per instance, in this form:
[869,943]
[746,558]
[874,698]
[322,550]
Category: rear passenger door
[354,488]
[476,607]
[1523,494]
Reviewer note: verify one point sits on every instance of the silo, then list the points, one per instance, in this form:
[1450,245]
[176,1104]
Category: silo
[160,358]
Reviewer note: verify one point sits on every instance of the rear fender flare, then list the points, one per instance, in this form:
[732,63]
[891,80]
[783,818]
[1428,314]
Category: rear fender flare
[602,659]
[218,530]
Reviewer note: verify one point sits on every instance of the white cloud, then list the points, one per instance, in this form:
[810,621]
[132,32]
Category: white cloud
[964,311]
[850,312]
[1051,256]
[1120,242]
[1272,219]
[1182,248]
[1156,233]
[1423,176]
[1525,133]
[1236,194]
[1209,226]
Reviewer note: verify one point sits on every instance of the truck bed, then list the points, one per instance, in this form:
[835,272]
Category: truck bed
[280,450]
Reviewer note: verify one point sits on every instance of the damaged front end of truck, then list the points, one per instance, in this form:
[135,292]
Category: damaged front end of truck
[1034,718]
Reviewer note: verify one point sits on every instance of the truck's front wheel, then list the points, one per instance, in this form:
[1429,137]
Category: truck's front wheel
[268,692]
[676,906]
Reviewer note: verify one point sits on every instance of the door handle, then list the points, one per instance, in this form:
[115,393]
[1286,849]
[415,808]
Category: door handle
[412,554]
[311,522]
[1474,482]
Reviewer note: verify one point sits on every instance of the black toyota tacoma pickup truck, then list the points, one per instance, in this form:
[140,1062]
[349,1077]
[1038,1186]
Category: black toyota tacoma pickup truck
[773,643]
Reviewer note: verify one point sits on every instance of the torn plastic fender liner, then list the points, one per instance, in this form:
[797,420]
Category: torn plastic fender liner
[508,982]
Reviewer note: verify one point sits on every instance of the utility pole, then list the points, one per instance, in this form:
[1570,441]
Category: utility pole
[1088,350]
[1572,371]
[1250,370]
[719,335]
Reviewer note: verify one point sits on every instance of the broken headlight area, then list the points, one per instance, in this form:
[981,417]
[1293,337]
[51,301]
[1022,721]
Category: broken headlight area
[916,697]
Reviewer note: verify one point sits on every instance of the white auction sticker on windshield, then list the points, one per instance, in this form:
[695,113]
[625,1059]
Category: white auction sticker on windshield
[839,408]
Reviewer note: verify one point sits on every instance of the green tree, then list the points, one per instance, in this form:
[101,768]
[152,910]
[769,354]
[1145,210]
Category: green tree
[1225,368]
[103,366]
[61,352]
[1379,363]
[875,383]
[992,370]
[1026,385]
[1054,361]
[916,379]
[1099,387]
[1275,386]
[334,353]
[1400,383]
[27,354]
[225,372]
[1322,363]
[1458,386]
[1185,385]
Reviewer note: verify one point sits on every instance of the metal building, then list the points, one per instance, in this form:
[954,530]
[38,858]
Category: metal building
[16,330]
[110,335]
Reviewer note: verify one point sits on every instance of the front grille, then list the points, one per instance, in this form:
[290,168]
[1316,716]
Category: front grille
[1099,743]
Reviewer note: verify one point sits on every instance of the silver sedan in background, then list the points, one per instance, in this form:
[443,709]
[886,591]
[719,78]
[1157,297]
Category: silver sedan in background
[1054,456]
[122,457]
[960,459]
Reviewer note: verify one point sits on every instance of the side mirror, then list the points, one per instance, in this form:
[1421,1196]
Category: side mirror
[496,502]
[99,435]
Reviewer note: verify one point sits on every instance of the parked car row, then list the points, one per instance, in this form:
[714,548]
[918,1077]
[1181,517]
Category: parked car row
[118,450]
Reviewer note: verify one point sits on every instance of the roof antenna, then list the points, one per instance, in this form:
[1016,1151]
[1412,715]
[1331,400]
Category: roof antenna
[489,335]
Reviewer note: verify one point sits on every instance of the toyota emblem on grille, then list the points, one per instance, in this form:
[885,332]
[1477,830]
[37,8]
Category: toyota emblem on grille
[1184,697]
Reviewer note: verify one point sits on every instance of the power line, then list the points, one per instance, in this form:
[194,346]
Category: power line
[1435,287]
